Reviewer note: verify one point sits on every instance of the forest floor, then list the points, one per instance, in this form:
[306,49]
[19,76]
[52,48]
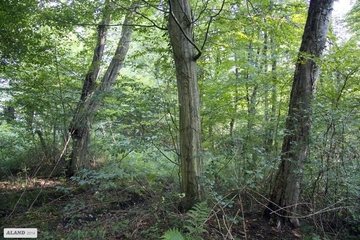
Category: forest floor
[65,210]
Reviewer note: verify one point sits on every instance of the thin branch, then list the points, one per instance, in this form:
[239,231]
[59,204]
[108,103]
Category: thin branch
[132,9]
[154,24]
[107,25]
[248,9]
[329,208]
[347,76]
[155,7]
[201,12]
[162,153]
[247,6]
[210,21]
[242,215]
[135,10]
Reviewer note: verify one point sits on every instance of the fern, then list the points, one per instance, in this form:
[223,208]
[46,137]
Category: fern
[199,215]
[174,234]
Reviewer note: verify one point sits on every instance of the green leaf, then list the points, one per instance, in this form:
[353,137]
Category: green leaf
[173,234]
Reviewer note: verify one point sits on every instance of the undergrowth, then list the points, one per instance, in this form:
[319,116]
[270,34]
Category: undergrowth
[111,203]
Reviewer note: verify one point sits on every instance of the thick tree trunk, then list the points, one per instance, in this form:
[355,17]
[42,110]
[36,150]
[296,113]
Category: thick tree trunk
[285,194]
[180,32]
[92,95]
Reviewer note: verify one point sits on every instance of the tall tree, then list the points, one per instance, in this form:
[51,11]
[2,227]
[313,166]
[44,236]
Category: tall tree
[285,194]
[91,95]
[181,38]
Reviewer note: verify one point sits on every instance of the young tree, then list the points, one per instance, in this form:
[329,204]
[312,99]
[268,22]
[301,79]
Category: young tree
[285,194]
[181,38]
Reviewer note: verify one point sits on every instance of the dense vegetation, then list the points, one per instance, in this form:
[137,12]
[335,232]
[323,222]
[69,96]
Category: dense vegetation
[125,181]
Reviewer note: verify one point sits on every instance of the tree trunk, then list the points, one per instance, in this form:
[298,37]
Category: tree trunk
[285,194]
[9,114]
[180,32]
[92,96]
[271,126]
[80,125]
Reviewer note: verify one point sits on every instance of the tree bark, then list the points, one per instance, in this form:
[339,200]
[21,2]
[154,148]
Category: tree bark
[285,194]
[9,114]
[271,126]
[92,95]
[181,39]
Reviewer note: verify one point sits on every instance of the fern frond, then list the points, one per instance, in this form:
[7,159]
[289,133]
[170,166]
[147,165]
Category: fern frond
[199,215]
[173,234]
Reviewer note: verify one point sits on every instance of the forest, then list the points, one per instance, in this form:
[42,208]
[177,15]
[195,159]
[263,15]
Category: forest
[180,119]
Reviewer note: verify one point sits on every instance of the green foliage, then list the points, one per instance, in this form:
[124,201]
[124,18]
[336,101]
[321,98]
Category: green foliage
[353,17]
[19,36]
[18,157]
[313,237]
[199,215]
[107,177]
[195,224]
[97,233]
[174,234]
[245,75]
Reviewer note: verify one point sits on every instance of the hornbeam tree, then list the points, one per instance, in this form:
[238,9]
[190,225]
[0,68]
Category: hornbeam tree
[285,194]
[181,38]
